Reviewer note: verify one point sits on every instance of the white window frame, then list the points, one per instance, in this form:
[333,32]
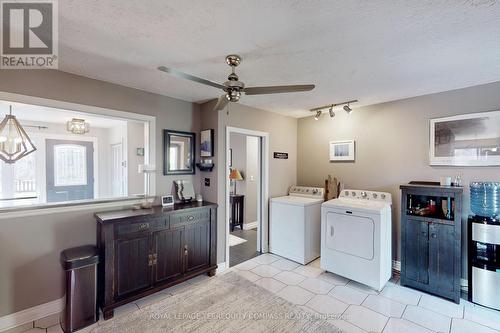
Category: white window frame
[50,208]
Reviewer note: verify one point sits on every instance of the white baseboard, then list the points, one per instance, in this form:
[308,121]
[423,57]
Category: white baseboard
[221,267]
[251,225]
[28,315]
[396,265]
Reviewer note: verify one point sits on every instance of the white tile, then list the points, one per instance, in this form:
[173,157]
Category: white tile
[362,287]
[396,325]
[428,319]
[20,328]
[441,306]
[87,329]
[394,280]
[401,294]
[465,326]
[483,316]
[333,278]
[125,310]
[385,306]
[177,289]
[270,284]
[367,319]
[348,295]
[55,329]
[247,265]
[315,263]
[316,285]
[48,321]
[308,271]
[266,258]
[345,327]
[36,330]
[151,299]
[289,278]
[295,295]
[265,271]
[285,264]
[327,305]
[252,277]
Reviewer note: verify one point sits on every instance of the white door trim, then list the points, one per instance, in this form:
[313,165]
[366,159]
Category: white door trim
[262,194]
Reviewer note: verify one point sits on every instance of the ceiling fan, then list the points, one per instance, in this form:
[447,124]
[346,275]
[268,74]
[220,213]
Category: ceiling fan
[233,87]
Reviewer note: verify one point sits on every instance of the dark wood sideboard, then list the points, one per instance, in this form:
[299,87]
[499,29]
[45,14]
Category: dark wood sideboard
[144,251]
[431,239]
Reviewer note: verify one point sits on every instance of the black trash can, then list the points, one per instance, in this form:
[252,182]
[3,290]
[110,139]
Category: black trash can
[80,273]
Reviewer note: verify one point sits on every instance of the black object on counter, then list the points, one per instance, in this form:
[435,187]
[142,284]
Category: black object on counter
[80,273]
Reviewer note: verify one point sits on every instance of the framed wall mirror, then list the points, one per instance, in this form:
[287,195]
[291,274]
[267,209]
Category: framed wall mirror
[179,152]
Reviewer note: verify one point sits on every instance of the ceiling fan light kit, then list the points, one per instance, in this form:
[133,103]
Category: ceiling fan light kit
[330,107]
[233,87]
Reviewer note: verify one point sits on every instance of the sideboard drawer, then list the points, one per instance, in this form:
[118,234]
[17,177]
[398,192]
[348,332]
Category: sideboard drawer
[192,217]
[141,225]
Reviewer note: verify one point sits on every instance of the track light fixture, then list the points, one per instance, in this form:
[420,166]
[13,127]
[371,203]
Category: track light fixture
[318,114]
[346,107]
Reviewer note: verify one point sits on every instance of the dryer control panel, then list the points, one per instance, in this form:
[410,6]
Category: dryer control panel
[366,195]
[306,191]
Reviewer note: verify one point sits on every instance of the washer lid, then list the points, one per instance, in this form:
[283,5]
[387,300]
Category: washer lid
[297,201]
[356,204]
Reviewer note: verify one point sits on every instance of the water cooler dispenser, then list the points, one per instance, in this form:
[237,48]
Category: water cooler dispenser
[484,245]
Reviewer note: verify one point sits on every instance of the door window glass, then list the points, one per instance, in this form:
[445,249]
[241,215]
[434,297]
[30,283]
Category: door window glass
[70,165]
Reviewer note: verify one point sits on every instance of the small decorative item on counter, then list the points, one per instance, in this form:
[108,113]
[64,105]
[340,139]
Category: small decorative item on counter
[445,181]
[199,198]
[432,206]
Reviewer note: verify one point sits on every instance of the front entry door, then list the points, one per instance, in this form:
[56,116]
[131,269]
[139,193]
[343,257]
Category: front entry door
[70,170]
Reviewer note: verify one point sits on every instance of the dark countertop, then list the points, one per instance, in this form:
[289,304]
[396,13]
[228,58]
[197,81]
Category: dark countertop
[104,217]
[432,186]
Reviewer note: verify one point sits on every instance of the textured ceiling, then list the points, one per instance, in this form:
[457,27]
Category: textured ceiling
[372,50]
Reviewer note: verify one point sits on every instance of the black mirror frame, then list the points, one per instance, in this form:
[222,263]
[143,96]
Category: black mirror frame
[166,149]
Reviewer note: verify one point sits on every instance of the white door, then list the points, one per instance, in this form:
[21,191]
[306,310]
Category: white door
[117,163]
[350,234]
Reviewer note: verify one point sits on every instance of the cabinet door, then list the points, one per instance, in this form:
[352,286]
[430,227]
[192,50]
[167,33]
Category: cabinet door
[197,246]
[168,250]
[441,265]
[417,251]
[132,270]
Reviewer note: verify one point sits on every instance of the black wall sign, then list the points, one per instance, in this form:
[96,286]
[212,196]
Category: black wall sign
[281,156]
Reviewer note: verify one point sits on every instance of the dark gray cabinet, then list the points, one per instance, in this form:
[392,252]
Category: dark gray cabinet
[431,238]
[144,251]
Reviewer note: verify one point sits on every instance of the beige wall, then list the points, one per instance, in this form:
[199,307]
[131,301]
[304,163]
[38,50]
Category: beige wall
[30,273]
[392,143]
[282,137]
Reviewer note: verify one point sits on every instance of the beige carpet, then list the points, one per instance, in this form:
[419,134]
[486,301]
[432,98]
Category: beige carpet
[225,303]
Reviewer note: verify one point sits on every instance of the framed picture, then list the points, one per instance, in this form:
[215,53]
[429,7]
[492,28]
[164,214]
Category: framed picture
[465,140]
[207,143]
[342,151]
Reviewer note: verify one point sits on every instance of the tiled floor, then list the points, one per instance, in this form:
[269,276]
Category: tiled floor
[242,252]
[351,307]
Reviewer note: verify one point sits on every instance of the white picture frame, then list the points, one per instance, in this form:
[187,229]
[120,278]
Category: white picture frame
[342,151]
[465,140]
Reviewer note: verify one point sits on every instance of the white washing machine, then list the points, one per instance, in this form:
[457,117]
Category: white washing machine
[295,224]
[356,237]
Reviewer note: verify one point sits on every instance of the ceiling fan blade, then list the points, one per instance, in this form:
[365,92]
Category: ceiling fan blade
[190,77]
[221,103]
[277,89]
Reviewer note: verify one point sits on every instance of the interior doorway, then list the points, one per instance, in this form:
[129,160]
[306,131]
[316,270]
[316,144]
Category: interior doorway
[246,194]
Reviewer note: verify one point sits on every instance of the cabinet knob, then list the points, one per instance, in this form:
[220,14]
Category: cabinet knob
[433,235]
[143,226]
[190,218]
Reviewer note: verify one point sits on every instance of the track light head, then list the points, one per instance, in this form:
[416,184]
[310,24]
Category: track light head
[332,114]
[347,108]
[318,114]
